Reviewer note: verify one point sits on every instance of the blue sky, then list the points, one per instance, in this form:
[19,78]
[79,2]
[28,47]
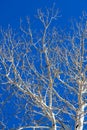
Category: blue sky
[12,10]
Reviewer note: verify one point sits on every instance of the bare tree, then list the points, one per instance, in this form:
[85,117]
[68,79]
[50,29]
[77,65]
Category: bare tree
[43,75]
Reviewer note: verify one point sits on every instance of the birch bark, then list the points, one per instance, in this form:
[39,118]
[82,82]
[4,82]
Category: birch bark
[80,111]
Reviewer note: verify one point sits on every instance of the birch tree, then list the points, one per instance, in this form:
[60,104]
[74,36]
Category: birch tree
[44,75]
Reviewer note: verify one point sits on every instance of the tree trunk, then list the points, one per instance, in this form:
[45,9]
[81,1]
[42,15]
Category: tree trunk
[80,111]
[80,118]
[53,122]
[54,127]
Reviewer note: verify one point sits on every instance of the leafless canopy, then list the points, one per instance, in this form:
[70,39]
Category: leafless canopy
[43,75]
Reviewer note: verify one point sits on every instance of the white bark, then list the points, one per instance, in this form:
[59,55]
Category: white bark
[80,111]
[54,127]
[80,118]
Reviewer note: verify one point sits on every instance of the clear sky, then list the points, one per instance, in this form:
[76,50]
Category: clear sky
[12,10]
